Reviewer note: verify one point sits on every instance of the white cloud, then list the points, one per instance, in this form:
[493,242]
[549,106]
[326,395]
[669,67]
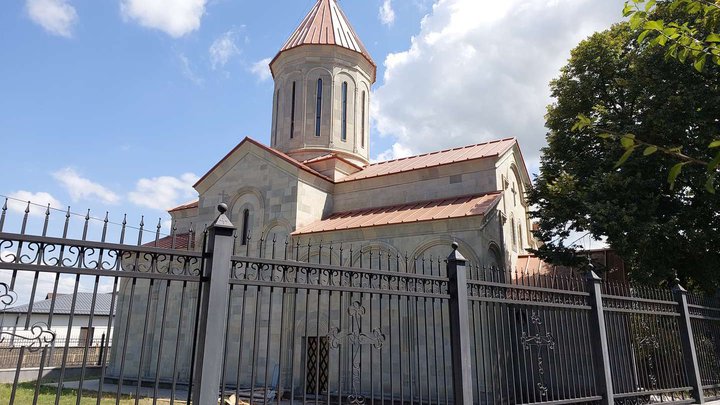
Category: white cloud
[174,17]
[18,202]
[386,13]
[162,193]
[81,188]
[7,256]
[479,70]
[187,70]
[222,49]
[167,225]
[261,69]
[397,151]
[56,16]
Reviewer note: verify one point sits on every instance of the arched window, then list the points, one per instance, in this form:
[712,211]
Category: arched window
[292,113]
[318,107]
[520,235]
[245,226]
[494,257]
[277,108]
[343,134]
[362,133]
[514,235]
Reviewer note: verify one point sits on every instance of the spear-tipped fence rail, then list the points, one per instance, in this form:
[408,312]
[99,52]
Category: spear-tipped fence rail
[198,316]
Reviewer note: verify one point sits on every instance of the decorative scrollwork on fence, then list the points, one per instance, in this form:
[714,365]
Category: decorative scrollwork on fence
[69,254]
[7,296]
[615,302]
[481,289]
[357,338]
[249,270]
[539,340]
[38,337]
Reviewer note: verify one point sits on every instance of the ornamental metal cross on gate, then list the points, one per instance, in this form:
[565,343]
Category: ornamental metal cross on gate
[538,340]
[357,338]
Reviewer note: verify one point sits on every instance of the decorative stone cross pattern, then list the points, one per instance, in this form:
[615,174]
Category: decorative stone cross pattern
[34,339]
[357,338]
[514,193]
[538,340]
[224,197]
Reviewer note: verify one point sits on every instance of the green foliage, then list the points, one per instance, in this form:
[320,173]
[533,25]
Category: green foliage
[628,158]
[689,32]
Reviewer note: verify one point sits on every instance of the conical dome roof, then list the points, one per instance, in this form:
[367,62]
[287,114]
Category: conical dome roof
[326,24]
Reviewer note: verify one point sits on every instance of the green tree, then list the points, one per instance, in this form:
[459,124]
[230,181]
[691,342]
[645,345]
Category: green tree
[627,87]
[688,31]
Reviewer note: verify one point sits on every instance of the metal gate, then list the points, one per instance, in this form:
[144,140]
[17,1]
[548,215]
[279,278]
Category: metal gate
[186,318]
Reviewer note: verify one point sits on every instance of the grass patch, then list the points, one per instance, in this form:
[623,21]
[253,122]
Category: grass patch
[26,392]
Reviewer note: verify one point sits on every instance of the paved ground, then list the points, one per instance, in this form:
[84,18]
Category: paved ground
[163,394]
[145,392]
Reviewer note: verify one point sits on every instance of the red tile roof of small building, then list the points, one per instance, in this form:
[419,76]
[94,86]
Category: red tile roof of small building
[186,206]
[465,153]
[326,24]
[406,213]
[180,242]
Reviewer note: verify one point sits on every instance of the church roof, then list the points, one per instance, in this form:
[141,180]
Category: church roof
[458,207]
[331,156]
[275,152]
[187,206]
[326,24]
[465,153]
[180,242]
[444,157]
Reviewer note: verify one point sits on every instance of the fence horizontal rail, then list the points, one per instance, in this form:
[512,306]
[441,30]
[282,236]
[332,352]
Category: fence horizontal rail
[80,257]
[299,275]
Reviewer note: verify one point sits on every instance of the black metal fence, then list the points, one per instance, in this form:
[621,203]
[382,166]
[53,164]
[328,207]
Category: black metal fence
[79,351]
[333,323]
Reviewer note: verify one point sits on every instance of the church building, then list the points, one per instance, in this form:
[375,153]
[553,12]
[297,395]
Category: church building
[315,185]
[315,182]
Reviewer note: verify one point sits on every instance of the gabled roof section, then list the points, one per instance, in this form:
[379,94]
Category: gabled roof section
[64,305]
[331,156]
[180,241]
[186,206]
[465,153]
[326,24]
[458,207]
[265,148]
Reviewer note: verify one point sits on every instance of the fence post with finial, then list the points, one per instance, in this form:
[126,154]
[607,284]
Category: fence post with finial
[459,328]
[688,343]
[598,335]
[215,290]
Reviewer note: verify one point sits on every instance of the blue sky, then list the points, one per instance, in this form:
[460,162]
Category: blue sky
[120,105]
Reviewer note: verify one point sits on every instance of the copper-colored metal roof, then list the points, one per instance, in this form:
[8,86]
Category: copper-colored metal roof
[186,206]
[328,157]
[465,153]
[326,24]
[407,213]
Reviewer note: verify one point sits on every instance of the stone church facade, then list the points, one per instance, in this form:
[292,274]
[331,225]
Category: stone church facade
[317,169]
[315,183]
